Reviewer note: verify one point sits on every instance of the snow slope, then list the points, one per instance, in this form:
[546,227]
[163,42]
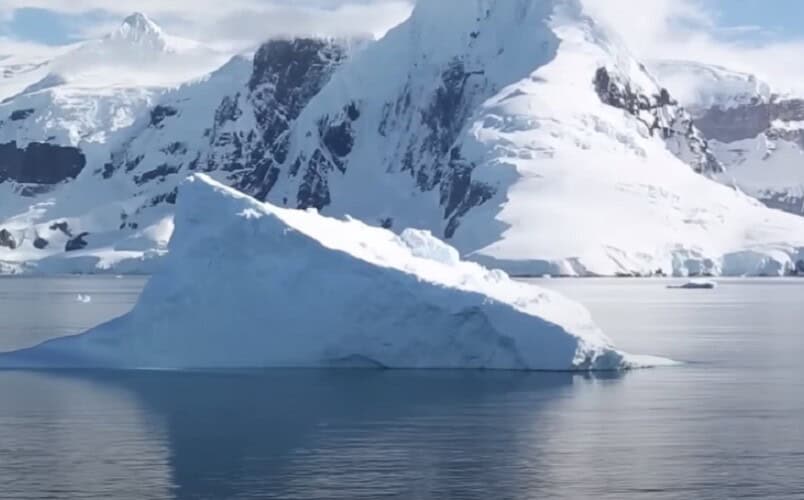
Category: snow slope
[248,284]
[519,130]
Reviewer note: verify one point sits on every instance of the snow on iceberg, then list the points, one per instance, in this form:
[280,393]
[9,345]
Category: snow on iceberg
[247,284]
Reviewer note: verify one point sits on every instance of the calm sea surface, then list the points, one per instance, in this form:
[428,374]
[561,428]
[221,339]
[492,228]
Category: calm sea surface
[729,423]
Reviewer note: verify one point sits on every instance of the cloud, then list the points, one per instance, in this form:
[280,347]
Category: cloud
[233,23]
[653,29]
[14,50]
[688,30]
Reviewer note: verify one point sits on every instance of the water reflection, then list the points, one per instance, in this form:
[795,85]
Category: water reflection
[288,434]
[65,437]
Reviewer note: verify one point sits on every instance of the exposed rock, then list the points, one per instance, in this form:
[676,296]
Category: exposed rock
[77,243]
[159,113]
[40,243]
[7,239]
[21,114]
[158,173]
[63,226]
[33,190]
[40,163]
[735,124]
[287,75]
[169,198]
[660,114]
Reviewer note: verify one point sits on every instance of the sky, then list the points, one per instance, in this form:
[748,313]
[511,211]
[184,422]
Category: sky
[760,36]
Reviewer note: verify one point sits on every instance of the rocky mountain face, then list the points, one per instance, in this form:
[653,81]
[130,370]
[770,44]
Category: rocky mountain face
[756,133]
[455,128]
[663,116]
[242,118]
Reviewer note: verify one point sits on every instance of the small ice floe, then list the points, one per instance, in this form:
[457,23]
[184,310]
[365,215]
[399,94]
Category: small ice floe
[84,299]
[696,285]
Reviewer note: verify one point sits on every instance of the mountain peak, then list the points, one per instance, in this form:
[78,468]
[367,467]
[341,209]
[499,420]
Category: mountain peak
[140,22]
[139,29]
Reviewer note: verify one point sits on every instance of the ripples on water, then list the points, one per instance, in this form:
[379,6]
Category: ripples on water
[728,424]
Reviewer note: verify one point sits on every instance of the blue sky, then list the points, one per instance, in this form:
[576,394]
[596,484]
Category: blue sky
[50,27]
[762,37]
[779,19]
[742,19]
[26,23]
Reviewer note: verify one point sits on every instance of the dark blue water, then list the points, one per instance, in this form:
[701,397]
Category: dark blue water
[727,424]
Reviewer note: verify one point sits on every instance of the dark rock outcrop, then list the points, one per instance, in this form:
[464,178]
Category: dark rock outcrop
[77,243]
[40,243]
[661,115]
[735,124]
[160,113]
[160,173]
[748,121]
[21,114]
[7,239]
[287,75]
[40,163]
[62,226]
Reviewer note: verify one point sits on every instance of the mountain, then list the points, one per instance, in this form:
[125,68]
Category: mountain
[755,131]
[136,54]
[519,130]
[73,105]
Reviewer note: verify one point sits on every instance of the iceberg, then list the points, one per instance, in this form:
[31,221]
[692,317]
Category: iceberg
[250,285]
[695,285]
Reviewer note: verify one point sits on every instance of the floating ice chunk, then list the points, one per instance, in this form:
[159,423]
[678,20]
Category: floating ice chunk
[248,284]
[84,299]
[696,285]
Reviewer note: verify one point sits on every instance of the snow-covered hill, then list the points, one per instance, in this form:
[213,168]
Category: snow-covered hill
[755,131]
[518,129]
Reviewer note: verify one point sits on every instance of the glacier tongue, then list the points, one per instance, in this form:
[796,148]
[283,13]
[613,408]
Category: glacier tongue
[248,284]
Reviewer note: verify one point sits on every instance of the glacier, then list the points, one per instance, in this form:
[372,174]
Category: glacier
[248,284]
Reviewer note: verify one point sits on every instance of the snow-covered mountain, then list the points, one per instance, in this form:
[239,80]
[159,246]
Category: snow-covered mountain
[518,129]
[74,104]
[755,131]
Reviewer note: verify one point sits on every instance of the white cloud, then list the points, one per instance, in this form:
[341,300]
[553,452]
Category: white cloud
[233,22]
[653,29]
[685,29]
[13,50]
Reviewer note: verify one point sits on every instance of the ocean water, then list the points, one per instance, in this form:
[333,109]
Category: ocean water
[728,423]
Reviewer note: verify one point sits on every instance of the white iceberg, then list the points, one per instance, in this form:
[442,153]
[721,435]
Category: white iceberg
[83,299]
[247,284]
